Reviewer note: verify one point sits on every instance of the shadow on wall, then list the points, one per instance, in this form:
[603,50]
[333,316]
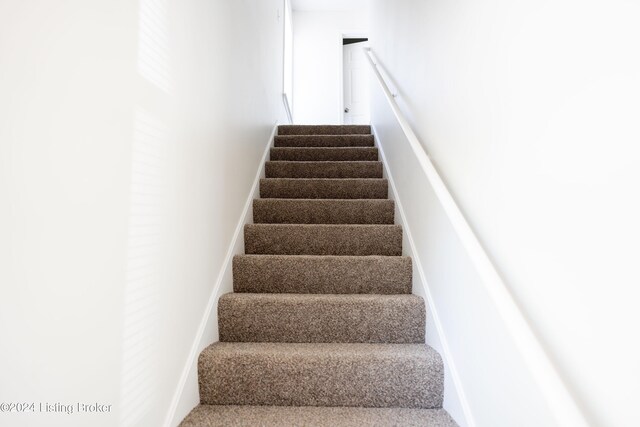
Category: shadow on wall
[141,324]
[153,39]
[141,334]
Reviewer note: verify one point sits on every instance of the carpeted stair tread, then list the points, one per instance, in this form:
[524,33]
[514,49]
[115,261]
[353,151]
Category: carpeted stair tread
[294,169]
[313,416]
[328,374]
[324,154]
[314,274]
[322,239]
[324,130]
[324,188]
[315,318]
[323,141]
[323,211]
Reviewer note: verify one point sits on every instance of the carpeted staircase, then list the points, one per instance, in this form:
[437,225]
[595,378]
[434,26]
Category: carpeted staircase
[322,328]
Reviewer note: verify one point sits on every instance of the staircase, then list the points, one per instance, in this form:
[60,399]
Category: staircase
[322,328]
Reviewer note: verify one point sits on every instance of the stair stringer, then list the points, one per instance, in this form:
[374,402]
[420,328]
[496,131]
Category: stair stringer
[187,396]
[455,401]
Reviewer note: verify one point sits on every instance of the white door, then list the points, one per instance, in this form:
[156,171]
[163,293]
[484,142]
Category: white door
[355,80]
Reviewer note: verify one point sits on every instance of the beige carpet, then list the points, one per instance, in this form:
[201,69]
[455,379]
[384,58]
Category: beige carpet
[322,274]
[291,416]
[322,329]
[324,154]
[314,142]
[323,188]
[323,211]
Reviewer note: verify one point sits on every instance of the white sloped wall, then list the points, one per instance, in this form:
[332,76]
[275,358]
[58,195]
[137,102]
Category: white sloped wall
[130,134]
[529,111]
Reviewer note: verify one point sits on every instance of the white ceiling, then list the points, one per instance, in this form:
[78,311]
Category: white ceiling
[329,5]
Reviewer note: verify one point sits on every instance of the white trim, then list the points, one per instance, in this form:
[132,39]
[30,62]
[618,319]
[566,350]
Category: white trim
[288,103]
[341,75]
[448,358]
[557,394]
[287,108]
[196,347]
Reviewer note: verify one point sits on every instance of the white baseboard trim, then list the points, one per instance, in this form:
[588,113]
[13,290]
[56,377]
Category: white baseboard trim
[236,246]
[447,357]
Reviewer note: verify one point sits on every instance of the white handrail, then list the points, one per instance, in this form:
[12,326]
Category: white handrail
[562,404]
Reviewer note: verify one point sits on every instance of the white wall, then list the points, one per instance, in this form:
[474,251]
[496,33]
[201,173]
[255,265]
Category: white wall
[129,139]
[317,62]
[530,111]
[287,84]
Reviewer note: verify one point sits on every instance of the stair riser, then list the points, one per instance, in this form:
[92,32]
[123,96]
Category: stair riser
[284,188]
[294,211]
[359,240]
[323,141]
[278,416]
[320,380]
[324,130]
[324,154]
[322,275]
[398,319]
[323,170]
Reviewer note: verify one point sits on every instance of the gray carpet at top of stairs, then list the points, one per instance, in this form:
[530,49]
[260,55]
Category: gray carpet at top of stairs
[324,130]
[398,319]
[321,239]
[320,154]
[313,416]
[323,141]
[323,188]
[367,375]
[313,274]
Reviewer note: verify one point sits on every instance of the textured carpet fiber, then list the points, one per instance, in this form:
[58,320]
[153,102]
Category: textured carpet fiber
[299,416]
[332,141]
[322,239]
[282,169]
[321,318]
[323,211]
[325,154]
[327,374]
[318,188]
[322,328]
[324,130]
[309,274]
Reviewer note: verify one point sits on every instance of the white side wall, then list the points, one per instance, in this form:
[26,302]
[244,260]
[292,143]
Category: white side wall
[130,134]
[317,62]
[530,111]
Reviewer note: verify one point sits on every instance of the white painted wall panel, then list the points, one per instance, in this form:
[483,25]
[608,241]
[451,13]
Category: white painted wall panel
[529,110]
[130,134]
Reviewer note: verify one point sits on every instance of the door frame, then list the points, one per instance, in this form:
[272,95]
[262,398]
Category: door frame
[344,35]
